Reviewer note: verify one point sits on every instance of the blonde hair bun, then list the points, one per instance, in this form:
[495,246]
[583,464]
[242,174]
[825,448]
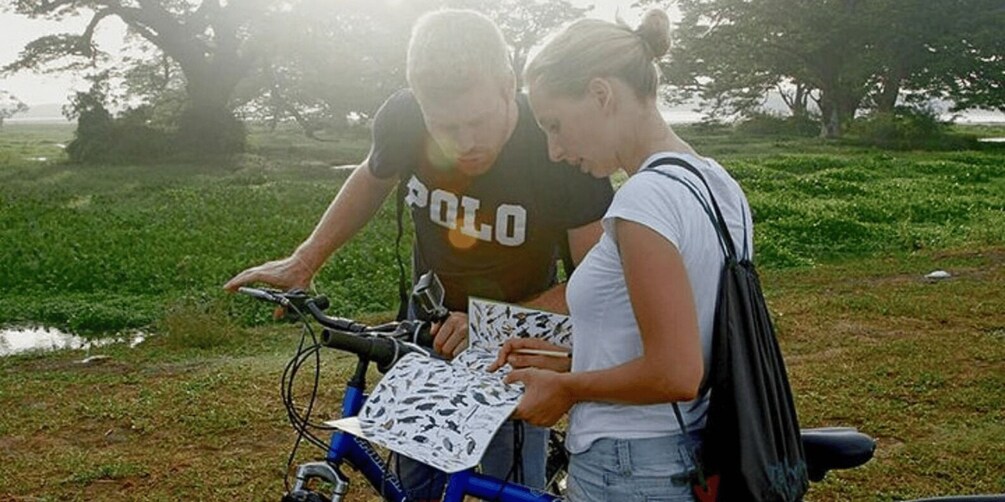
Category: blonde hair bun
[654,30]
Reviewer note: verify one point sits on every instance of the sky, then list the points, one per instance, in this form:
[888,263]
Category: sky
[35,89]
[32,88]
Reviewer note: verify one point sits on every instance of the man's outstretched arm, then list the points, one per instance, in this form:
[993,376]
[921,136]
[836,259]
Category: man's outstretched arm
[357,201]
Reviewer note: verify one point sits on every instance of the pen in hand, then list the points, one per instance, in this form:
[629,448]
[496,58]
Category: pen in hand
[540,352]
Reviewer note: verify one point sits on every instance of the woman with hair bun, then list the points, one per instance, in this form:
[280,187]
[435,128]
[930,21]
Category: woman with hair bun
[642,300]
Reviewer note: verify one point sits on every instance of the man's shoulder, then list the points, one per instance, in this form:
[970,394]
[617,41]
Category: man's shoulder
[398,131]
[401,105]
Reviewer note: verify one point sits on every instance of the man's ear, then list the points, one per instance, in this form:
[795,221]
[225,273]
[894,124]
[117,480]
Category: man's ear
[600,90]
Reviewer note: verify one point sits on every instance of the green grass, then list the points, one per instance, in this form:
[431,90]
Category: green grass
[919,365]
[844,236]
[109,246]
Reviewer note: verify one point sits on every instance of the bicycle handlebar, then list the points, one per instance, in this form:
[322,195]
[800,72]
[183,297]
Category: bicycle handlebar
[384,344]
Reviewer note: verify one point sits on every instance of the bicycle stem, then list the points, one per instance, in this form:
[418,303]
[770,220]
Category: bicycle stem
[323,471]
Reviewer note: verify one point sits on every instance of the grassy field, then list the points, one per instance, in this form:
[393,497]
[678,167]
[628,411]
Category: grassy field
[844,237]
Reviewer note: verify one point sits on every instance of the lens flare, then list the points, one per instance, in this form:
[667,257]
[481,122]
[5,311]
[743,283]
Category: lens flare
[460,240]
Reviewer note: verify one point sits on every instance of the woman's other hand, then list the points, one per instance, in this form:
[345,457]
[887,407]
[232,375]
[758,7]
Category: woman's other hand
[545,399]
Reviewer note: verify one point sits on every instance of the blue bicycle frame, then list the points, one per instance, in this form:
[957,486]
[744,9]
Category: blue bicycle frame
[358,453]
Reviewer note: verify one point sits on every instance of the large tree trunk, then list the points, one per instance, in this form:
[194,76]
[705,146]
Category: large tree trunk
[838,105]
[212,70]
[830,122]
[796,101]
[886,100]
[830,114]
[799,102]
[208,124]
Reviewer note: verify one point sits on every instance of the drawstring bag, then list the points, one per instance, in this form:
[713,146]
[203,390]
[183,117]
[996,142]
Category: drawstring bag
[751,446]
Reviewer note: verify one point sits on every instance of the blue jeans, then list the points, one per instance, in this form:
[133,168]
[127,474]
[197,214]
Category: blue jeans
[629,470]
[422,482]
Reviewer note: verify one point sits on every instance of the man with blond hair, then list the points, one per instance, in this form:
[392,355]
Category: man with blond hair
[490,209]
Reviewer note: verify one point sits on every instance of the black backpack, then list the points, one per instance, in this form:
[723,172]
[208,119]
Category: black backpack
[751,446]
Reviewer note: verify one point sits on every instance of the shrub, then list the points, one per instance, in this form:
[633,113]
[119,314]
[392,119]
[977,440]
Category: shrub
[144,133]
[198,323]
[767,124]
[909,128]
[102,137]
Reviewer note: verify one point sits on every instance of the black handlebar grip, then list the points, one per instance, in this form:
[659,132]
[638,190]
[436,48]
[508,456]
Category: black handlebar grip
[379,350]
[423,336]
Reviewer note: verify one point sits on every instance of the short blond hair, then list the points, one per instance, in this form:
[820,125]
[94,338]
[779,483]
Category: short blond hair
[591,48]
[452,50]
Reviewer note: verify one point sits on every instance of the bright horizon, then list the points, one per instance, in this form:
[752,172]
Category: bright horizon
[47,89]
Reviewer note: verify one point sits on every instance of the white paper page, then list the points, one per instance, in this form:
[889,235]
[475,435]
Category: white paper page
[436,412]
[491,323]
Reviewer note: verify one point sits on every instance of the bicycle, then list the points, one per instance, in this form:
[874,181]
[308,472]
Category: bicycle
[826,448]
[382,345]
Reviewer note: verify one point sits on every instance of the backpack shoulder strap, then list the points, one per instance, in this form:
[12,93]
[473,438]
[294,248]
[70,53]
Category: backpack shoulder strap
[722,232]
[711,207]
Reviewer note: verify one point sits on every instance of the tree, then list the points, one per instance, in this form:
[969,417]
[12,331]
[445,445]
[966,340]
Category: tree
[208,40]
[844,54]
[966,65]
[325,68]
[731,52]
[524,23]
[321,69]
[10,106]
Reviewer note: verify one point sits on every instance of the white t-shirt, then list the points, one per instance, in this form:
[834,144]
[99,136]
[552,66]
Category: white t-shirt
[605,333]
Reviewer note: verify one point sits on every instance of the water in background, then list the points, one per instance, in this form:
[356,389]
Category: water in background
[31,339]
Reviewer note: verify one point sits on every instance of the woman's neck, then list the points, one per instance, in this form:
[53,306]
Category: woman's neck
[646,135]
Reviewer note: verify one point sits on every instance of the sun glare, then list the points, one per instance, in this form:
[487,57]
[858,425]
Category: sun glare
[460,240]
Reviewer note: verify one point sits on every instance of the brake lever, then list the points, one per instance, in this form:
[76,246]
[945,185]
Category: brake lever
[268,295]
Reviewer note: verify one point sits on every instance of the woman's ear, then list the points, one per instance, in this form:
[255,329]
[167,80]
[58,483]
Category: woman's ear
[600,90]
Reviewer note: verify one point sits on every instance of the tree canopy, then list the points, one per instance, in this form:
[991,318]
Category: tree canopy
[349,60]
[212,43]
[845,55]
[524,23]
[198,66]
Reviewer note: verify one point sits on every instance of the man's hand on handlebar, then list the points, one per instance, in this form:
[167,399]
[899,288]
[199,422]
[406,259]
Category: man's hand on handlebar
[288,273]
[451,335]
[384,344]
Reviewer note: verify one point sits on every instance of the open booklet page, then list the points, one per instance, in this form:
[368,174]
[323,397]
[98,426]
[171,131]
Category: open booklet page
[445,413]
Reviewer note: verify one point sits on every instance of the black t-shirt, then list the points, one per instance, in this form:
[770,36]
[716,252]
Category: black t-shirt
[496,235]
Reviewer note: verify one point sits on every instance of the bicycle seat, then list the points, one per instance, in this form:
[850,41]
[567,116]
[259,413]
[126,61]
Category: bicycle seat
[829,448]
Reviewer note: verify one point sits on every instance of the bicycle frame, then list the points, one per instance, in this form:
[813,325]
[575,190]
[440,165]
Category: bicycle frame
[358,453]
